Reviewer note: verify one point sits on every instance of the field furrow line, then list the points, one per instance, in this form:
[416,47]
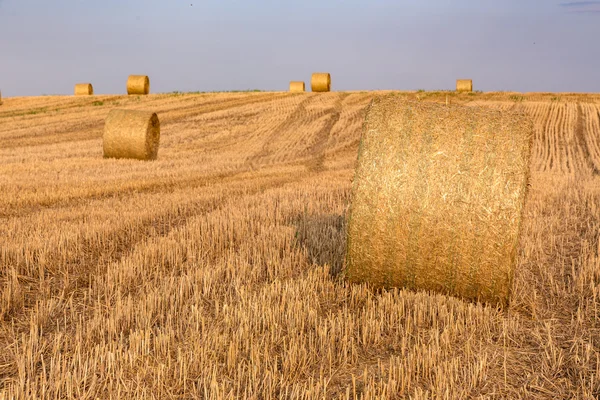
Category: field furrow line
[540,115]
[592,136]
[551,128]
[584,144]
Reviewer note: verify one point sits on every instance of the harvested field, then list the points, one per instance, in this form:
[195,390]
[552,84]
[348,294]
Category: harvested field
[216,271]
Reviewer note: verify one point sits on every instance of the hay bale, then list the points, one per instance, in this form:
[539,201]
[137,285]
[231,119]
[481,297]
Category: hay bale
[437,198]
[84,89]
[296,86]
[320,82]
[131,134]
[0,98]
[464,85]
[138,84]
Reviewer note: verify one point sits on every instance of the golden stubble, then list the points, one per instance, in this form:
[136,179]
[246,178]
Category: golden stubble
[215,270]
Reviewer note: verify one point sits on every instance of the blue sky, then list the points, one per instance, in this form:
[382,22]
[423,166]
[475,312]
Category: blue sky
[46,46]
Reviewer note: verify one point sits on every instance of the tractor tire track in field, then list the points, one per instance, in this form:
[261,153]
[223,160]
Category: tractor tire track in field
[299,114]
[317,149]
[580,137]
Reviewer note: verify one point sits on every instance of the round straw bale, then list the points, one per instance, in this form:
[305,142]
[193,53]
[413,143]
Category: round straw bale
[296,86]
[464,85]
[320,82]
[138,84]
[437,198]
[131,134]
[83,89]
[0,98]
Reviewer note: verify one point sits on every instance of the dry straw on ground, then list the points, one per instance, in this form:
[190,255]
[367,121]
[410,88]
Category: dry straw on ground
[131,134]
[297,86]
[320,82]
[438,197]
[464,85]
[83,89]
[138,84]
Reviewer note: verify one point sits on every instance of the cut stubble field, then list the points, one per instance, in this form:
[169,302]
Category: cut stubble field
[216,271]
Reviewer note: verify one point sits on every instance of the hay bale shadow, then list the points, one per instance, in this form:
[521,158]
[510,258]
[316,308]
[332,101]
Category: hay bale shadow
[324,238]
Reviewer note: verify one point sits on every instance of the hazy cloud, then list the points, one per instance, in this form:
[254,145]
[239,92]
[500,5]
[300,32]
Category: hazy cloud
[584,7]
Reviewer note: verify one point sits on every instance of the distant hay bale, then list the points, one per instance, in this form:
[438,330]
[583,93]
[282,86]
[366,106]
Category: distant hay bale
[464,85]
[320,82]
[437,198]
[0,98]
[296,86]
[131,134]
[84,89]
[138,84]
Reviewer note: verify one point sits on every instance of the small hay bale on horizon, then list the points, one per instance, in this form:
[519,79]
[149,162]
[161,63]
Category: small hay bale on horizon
[437,198]
[464,85]
[0,97]
[297,86]
[138,84]
[320,82]
[131,134]
[83,89]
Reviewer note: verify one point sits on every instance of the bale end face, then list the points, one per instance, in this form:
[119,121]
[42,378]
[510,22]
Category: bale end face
[464,85]
[320,82]
[84,89]
[138,84]
[297,86]
[438,197]
[131,134]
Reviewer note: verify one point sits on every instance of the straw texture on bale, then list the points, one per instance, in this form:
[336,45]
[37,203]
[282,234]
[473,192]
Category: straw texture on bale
[138,84]
[131,134]
[296,86]
[84,89]
[464,85]
[320,82]
[437,198]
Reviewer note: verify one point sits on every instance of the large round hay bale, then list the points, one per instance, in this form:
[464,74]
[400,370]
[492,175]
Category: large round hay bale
[138,84]
[296,86]
[437,198]
[84,89]
[131,134]
[464,85]
[320,82]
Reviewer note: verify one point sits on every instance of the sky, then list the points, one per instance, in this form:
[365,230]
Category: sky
[46,46]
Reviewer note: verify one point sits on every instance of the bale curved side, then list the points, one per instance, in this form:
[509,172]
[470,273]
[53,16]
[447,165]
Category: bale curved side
[84,89]
[138,84]
[297,86]
[438,197]
[131,134]
[464,85]
[320,82]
